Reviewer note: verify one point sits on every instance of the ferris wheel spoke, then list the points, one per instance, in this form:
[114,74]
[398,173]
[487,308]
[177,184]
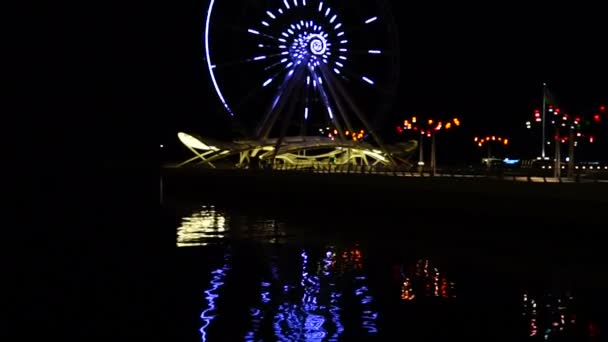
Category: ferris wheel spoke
[280,96]
[336,98]
[372,53]
[362,27]
[341,92]
[229,64]
[246,31]
[276,64]
[263,34]
[261,58]
[333,116]
[364,79]
[347,73]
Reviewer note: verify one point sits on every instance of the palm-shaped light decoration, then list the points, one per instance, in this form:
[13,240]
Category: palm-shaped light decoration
[489,141]
[428,128]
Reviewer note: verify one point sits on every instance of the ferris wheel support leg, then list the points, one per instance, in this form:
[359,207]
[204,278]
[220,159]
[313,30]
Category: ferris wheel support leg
[364,121]
[244,159]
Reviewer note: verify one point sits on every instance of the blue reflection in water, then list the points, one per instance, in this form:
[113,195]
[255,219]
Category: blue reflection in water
[218,279]
[308,308]
[257,314]
[313,325]
[294,322]
[368,316]
[303,321]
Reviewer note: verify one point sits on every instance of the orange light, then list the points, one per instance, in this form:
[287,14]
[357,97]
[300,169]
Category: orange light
[456,122]
[414,119]
[476,138]
[448,125]
[347,132]
[335,131]
[493,137]
[479,144]
[506,141]
[487,138]
[430,122]
[499,138]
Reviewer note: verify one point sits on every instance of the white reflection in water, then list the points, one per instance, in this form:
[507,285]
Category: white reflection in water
[270,231]
[201,227]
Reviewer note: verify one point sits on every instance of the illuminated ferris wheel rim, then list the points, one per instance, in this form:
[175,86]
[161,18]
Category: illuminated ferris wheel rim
[208,58]
[316,44]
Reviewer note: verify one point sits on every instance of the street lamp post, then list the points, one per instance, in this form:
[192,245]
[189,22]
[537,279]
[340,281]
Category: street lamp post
[570,173]
[433,158]
[558,156]
[543,121]
[421,154]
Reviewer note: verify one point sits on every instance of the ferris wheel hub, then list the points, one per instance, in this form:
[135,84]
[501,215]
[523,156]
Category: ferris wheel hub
[317,45]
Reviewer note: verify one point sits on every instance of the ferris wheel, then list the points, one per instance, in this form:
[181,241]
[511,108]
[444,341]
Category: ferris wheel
[293,67]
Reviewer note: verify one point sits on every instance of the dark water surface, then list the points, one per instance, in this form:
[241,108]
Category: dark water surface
[252,275]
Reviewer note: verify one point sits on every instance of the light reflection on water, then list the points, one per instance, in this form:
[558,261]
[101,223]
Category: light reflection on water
[211,294]
[310,307]
[324,293]
[552,315]
[423,279]
[208,225]
[201,227]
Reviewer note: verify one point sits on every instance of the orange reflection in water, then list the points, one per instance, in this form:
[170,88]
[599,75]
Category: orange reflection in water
[425,280]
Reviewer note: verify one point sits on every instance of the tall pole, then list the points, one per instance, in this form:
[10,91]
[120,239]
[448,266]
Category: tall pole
[543,125]
[558,157]
[571,154]
[421,155]
[433,158]
[489,150]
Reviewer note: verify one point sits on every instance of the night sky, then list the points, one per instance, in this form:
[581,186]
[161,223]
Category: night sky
[484,64]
